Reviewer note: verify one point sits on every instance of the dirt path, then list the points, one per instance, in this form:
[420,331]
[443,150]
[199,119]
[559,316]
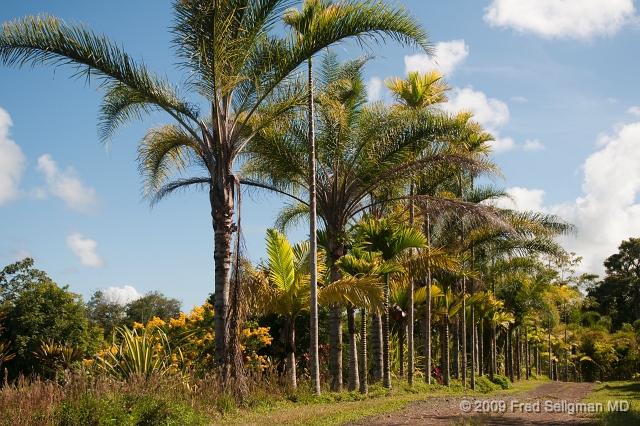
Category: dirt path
[555,403]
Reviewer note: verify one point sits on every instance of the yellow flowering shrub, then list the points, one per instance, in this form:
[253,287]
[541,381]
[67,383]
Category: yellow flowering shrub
[251,341]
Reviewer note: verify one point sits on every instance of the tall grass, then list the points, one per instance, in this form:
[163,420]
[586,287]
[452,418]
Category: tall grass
[84,399]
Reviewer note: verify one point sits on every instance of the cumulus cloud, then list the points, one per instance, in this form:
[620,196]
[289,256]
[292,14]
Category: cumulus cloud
[122,295]
[634,110]
[374,87]
[567,19]
[85,250]
[490,112]
[66,185]
[609,211]
[12,161]
[533,145]
[523,199]
[447,56]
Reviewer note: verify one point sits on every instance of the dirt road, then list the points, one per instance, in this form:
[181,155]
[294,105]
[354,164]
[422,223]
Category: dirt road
[555,404]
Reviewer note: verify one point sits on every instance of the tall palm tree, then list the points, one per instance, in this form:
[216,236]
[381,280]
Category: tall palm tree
[236,62]
[418,92]
[282,288]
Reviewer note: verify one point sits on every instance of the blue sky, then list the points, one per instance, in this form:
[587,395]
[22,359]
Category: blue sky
[555,82]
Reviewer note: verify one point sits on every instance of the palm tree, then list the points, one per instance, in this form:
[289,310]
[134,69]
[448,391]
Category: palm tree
[362,150]
[361,263]
[282,288]
[237,63]
[390,239]
[418,92]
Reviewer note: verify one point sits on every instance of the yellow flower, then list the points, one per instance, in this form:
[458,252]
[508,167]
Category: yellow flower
[179,322]
[137,325]
[155,322]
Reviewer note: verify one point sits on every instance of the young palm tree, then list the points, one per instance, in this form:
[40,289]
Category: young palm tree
[390,239]
[235,62]
[282,288]
[361,263]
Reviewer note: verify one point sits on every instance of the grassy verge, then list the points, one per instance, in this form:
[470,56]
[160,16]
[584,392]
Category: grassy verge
[335,409]
[617,391]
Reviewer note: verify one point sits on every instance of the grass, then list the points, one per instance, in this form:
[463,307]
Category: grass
[611,391]
[82,399]
[346,407]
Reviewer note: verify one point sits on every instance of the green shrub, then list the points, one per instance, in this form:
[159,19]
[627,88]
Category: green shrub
[484,385]
[502,381]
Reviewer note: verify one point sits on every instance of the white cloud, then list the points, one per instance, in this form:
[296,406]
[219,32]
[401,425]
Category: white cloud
[520,99]
[12,161]
[609,211]
[533,145]
[374,87]
[121,295]
[20,254]
[523,199]
[568,19]
[85,250]
[490,112]
[634,110]
[447,56]
[66,185]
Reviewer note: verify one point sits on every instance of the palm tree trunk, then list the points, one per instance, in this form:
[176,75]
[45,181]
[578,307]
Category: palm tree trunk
[492,353]
[427,343]
[410,309]
[427,334]
[336,250]
[473,348]
[335,347]
[313,245]
[518,353]
[386,367]
[222,207]
[550,354]
[401,336]
[463,334]
[364,386]
[481,357]
[456,346]
[446,378]
[376,346]
[354,379]
[290,349]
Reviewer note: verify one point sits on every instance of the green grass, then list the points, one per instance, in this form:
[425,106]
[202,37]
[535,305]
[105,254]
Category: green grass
[612,391]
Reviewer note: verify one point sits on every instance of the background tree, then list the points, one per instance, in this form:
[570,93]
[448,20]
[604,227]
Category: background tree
[152,304]
[618,294]
[105,313]
[38,311]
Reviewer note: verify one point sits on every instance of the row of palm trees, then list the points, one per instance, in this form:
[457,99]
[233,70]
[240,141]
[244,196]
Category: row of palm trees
[318,142]
[240,63]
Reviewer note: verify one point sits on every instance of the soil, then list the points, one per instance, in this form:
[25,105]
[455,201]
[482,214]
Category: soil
[503,412]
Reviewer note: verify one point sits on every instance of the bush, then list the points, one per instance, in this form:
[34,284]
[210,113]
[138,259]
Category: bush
[484,385]
[502,381]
